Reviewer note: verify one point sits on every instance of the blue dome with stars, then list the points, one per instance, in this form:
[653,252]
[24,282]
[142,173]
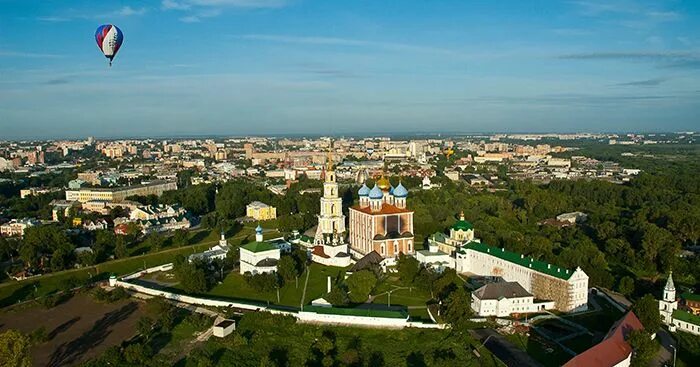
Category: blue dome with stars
[364,190]
[376,193]
[400,191]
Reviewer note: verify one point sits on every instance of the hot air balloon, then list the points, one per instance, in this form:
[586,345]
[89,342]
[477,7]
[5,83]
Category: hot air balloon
[109,38]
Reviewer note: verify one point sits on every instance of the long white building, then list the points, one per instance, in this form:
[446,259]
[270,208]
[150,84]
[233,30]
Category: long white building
[567,288]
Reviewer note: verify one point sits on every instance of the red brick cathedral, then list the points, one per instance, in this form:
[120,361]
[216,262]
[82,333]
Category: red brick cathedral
[381,221]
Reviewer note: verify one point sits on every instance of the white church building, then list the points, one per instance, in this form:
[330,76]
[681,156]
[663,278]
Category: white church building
[260,256]
[673,316]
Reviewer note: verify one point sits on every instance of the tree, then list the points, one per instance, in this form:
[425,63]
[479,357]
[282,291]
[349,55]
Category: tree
[626,285]
[191,275]
[87,258]
[337,296]
[154,241]
[408,268]
[14,349]
[647,310]
[360,284]
[180,237]
[458,309]
[264,283]
[120,250]
[644,347]
[5,249]
[287,268]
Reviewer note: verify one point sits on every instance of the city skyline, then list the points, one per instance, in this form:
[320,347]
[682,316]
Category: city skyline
[277,67]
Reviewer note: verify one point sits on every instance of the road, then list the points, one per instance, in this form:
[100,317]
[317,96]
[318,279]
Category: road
[665,354]
[503,349]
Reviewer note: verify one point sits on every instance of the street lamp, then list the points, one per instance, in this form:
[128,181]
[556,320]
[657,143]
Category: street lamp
[674,354]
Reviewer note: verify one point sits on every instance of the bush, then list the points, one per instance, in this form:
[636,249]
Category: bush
[198,321]
[39,336]
[99,294]
[54,299]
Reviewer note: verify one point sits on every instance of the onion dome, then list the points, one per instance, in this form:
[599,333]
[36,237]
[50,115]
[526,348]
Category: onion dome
[391,190]
[383,184]
[400,191]
[462,224]
[363,191]
[258,229]
[376,192]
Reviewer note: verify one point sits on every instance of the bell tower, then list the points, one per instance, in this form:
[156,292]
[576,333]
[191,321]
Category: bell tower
[331,221]
[668,303]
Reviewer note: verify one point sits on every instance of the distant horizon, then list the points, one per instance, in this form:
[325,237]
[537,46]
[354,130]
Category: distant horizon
[345,135]
[269,67]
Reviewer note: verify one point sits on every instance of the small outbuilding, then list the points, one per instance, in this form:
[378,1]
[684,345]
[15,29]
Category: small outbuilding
[223,328]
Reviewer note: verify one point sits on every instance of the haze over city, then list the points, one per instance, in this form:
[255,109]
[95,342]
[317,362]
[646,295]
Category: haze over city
[227,67]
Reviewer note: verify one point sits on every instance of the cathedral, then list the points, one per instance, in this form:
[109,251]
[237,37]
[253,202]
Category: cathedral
[381,222]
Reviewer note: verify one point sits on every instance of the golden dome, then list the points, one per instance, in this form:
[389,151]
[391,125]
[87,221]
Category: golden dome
[384,184]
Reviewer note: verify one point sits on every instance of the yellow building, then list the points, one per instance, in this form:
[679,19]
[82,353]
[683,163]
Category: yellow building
[261,211]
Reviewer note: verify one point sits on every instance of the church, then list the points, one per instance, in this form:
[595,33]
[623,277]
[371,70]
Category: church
[381,221]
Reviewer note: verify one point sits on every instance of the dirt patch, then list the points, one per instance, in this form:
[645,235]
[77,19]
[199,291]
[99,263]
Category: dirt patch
[78,329]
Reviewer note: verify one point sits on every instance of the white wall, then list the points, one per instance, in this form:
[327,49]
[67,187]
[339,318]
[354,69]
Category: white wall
[303,316]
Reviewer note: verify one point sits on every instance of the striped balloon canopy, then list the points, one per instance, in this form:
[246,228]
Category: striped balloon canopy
[109,38]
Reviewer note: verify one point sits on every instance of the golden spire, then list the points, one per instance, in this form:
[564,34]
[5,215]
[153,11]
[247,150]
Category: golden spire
[461,215]
[329,157]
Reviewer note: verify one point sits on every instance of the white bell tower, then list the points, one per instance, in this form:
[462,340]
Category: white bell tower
[331,221]
[669,303]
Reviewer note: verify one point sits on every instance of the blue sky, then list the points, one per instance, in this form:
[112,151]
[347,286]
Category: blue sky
[300,66]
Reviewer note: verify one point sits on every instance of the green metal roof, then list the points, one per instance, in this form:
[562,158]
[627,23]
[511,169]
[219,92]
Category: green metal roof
[438,237]
[259,246]
[691,297]
[357,312]
[463,225]
[686,316]
[518,259]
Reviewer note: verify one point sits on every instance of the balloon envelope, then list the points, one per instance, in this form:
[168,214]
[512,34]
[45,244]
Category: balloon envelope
[109,38]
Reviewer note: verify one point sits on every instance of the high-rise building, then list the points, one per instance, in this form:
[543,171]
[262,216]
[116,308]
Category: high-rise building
[381,222]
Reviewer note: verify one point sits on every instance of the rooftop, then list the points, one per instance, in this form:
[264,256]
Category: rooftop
[691,297]
[386,209]
[259,246]
[501,290]
[686,316]
[521,260]
[613,349]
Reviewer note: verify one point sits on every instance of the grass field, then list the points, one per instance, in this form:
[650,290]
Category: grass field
[234,287]
[12,292]
[288,343]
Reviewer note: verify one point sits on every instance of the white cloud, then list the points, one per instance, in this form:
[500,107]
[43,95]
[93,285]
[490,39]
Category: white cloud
[8,53]
[174,5]
[199,9]
[241,3]
[333,41]
[129,11]
[190,19]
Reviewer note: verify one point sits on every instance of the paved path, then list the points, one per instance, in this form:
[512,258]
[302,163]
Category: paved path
[665,354]
[506,351]
[306,282]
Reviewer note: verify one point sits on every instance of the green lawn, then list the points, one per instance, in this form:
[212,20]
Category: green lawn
[285,342]
[13,292]
[235,287]
[404,297]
